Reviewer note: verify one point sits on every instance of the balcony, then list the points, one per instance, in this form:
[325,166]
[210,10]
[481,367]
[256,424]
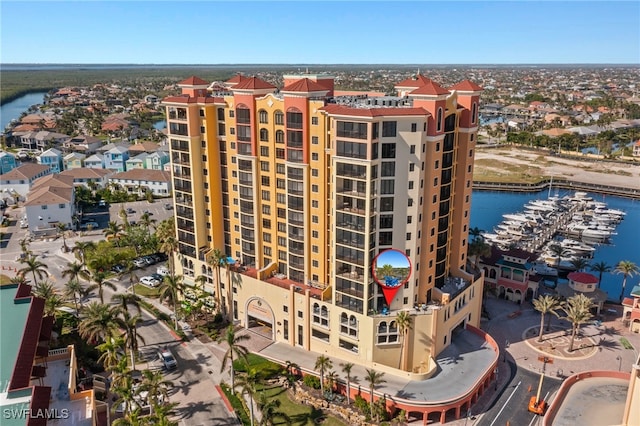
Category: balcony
[351,192]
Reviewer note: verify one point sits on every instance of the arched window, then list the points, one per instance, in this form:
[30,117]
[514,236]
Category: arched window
[263,116]
[382,328]
[279,136]
[474,112]
[387,333]
[439,120]
[278,118]
[320,315]
[264,135]
[204,270]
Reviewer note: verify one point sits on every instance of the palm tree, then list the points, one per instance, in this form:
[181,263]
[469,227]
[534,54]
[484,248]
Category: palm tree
[169,290]
[580,263]
[24,247]
[157,388]
[323,363]
[110,349]
[627,268]
[133,418]
[346,369]
[559,251]
[269,411]
[73,271]
[99,322]
[545,304]
[217,258]
[52,300]
[374,379]
[19,280]
[62,230]
[405,323]
[247,383]
[147,222]
[113,230]
[100,280]
[578,312]
[332,379]
[476,233]
[75,290]
[166,233]
[478,248]
[81,248]
[600,268]
[234,348]
[161,414]
[33,266]
[127,394]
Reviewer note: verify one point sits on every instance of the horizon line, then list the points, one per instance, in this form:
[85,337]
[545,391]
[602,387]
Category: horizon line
[319,64]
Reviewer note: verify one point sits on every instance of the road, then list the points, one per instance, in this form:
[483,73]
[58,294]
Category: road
[511,407]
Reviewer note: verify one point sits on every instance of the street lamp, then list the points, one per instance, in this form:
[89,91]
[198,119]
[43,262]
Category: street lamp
[619,358]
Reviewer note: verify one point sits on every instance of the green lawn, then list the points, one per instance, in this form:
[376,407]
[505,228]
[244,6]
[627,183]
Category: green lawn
[4,279]
[301,415]
[143,290]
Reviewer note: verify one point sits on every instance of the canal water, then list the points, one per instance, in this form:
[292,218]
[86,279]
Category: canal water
[487,208]
[12,110]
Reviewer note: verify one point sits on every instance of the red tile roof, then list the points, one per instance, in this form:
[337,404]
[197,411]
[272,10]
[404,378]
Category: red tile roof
[416,81]
[253,83]
[305,85]
[193,81]
[466,86]
[431,88]
[236,79]
[583,277]
[372,112]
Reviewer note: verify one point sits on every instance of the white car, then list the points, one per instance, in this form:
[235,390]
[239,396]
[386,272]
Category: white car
[167,359]
[149,281]
[162,270]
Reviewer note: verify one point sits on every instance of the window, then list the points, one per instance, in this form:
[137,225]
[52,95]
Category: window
[44,207]
[266,237]
[351,149]
[231,113]
[294,119]
[410,184]
[263,117]
[474,112]
[280,153]
[314,172]
[264,166]
[385,238]
[389,150]
[387,187]
[220,114]
[412,167]
[412,149]
[386,221]
[314,140]
[349,129]
[314,121]
[279,136]
[414,127]
[320,315]
[408,236]
[409,219]
[266,195]
[285,308]
[388,169]
[278,117]
[349,325]
[264,135]
[389,129]
[61,206]
[264,151]
[386,204]
[265,181]
[387,333]
[314,156]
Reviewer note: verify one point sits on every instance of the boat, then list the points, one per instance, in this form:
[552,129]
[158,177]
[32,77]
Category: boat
[541,268]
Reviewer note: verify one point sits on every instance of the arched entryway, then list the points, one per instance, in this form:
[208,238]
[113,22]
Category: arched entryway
[260,318]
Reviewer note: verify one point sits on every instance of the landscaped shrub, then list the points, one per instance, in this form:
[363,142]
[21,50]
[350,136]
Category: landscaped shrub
[237,405]
[311,381]
[361,404]
[266,368]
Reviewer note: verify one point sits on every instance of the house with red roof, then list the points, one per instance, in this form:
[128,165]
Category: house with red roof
[631,310]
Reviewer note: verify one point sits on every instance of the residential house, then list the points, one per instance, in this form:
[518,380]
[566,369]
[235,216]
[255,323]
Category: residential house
[636,149]
[84,176]
[137,162]
[116,158]
[511,273]
[39,140]
[36,379]
[74,160]
[156,160]
[138,181]
[50,201]
[84,144]
[138,148]
[586,284]
[19,180]
[52,158]
[96,161]
[7,162]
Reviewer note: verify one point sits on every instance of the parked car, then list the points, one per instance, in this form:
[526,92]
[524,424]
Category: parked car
[149,281]
[168,206]
[157,277]
[130,210]
[118,269]
[139,263]
[90,225]
[148,260]
[162,270]
[167,359]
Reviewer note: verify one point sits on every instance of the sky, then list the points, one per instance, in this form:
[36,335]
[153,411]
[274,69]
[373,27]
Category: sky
[325,32]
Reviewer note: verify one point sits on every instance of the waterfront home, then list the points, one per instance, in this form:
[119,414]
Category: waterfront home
[84,144]
[137,162]
[37,140]
[631,312]
[18,181]
[141,147]
[156,160]
[52,158]
[7,162]
[85,176]
[74,160]
[138,181]
[50,201]
[96,161]
[511,272]
[586,284]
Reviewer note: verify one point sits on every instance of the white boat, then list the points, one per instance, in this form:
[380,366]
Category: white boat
[577,246]
[541,268]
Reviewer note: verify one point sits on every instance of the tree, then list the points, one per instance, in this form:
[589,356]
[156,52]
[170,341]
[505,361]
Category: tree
[476,233]
[332,379]
[559,252]
[127,394]
[218,259]
[346,369]
[73,272]
[545,304]
[247,383]
[74,290]
[478,248]
[627,268]
[600,268]
[129,322]
[157,388]
[62,230]
[110,357]
[34,267]
[579,263]
[99,322]
[52,300]
[323,363]
[169,290]
[81,248]
[100,280]
[113,230]
[405,323]
[374,379]
[166,234]
[147,222]
[234,349]
[578,312]
[269,411]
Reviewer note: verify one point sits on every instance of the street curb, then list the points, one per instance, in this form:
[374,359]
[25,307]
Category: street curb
[224,399]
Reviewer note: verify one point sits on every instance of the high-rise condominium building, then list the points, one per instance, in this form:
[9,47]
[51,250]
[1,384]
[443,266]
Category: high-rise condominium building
[299,188]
